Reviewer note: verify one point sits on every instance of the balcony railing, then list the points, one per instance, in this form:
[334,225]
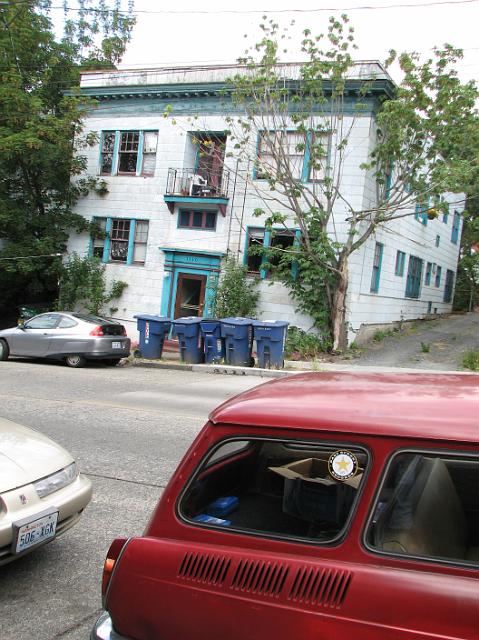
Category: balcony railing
[198,183]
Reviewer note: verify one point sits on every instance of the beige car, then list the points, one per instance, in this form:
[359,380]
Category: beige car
[42,493]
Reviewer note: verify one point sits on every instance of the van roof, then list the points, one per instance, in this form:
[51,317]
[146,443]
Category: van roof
[410,405]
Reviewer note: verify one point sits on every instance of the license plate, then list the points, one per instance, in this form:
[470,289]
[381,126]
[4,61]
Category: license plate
[116,345]
[35,531]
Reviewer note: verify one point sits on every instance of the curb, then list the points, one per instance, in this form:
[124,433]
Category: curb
[218,369]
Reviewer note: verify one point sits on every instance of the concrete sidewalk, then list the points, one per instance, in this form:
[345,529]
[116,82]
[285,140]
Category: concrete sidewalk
[292,367]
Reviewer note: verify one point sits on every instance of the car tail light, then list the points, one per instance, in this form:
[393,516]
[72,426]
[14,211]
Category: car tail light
[112,556]
[97,331]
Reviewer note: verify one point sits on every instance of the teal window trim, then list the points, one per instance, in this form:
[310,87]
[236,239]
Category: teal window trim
[389,181]
[107,245]
[437,282]
[139,159]
[196,210]
[116,148]
[456,224]
[306,170]
[294,263]
[377,262]
[266,243]
[131,242]
[400,260]
[427,277]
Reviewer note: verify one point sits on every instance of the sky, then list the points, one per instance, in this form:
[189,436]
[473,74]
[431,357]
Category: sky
[168,34]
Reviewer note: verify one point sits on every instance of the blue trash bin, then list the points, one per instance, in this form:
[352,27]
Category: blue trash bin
[190,339]
[214,343]
[270,337]
[238,335]
[153,330]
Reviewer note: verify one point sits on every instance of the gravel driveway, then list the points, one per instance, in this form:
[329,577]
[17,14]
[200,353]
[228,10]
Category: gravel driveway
[427,344]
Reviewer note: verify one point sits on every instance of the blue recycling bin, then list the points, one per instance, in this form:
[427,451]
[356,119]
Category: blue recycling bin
[214,343]
[190,339]
[270,337]
[238,336]
[153,330]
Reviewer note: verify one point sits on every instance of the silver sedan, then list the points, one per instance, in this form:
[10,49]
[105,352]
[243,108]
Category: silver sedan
[71,337]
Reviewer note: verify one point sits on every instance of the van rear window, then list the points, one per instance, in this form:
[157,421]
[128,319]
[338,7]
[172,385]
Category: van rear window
[276,488]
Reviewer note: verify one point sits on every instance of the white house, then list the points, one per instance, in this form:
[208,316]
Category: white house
[179,199]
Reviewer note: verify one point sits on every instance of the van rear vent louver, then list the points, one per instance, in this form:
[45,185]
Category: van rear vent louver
[206,568]
[263,578]
[321,587]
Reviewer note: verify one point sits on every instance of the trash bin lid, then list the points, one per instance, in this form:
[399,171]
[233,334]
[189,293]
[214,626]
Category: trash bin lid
[187,320]
[238,321]
[270,323]
[142,316]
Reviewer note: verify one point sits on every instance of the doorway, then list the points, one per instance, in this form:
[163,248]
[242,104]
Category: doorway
[190,295]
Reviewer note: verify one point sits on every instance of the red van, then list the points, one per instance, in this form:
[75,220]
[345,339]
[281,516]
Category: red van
[317,506]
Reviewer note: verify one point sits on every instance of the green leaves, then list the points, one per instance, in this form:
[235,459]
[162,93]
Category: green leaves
[41,139]
[237,293]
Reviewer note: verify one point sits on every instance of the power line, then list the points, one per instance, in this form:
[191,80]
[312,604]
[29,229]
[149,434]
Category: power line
[273,11]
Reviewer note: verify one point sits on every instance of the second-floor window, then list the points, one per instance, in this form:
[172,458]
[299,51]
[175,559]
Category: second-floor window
[292,154]
[421,210]
[128,153]
[124,242]
[456,223]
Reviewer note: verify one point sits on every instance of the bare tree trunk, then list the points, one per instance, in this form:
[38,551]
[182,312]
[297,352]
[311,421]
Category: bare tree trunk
[338,307]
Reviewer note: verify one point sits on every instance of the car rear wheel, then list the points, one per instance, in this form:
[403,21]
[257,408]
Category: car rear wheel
[4,350]
[75,361]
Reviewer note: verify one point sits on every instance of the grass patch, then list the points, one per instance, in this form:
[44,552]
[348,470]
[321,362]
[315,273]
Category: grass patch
[383,333]
[471,360]
[425,347]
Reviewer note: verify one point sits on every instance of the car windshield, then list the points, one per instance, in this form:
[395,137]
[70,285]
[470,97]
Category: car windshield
[276,488]
[87,317]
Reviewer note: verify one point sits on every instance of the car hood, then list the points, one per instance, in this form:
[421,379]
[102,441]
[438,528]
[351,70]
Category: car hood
[27,456]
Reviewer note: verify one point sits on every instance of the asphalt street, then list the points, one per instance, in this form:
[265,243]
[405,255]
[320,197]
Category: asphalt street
[127,427]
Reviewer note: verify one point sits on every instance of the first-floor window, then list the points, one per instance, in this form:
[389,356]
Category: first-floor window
[378,256]
[414,274]
[125,240]
[449,285]
[400,259]
[283,240]
[438,276]
[427,278]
